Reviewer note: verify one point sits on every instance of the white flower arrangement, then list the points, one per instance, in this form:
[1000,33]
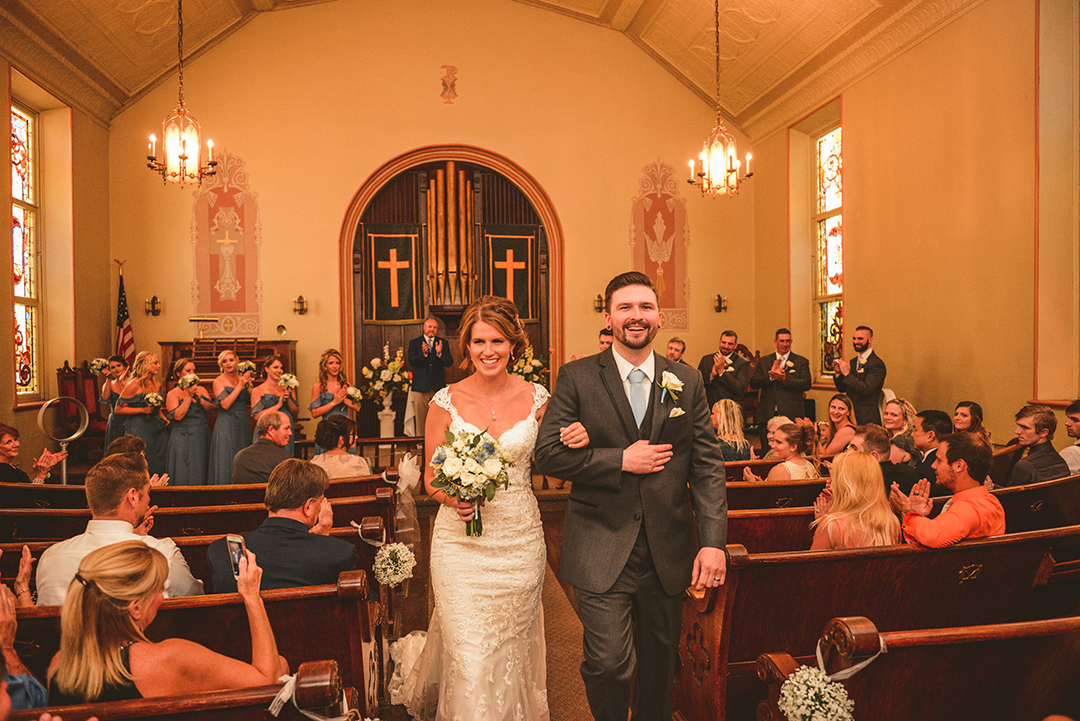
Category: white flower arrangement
[288,381]
[470,466]
[186,381]
[529,367]
[670,383]
[394,563]
[245,367]
[386,375]
[98,365]
[809,695]
[154,400]
[354,394]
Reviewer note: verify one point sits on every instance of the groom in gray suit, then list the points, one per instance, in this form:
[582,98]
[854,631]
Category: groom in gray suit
[629,547]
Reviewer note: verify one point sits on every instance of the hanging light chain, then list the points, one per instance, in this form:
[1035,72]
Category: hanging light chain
[180,44]
[716,20]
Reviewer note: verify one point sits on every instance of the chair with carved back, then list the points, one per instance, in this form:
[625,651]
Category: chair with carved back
[72,383]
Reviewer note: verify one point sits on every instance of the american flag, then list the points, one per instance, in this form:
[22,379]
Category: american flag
[125,339]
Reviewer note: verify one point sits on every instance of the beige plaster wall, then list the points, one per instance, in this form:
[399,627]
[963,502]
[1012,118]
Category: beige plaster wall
[316,98]
[939,214]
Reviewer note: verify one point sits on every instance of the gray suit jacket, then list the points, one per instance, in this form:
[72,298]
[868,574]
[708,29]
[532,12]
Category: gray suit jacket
[781,398]
[608,506]
[863,385]
[729,384]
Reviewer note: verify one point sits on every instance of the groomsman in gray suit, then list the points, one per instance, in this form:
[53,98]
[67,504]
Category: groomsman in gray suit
[629,547]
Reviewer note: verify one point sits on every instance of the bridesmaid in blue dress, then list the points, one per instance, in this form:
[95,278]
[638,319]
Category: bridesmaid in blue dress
[141,419]
[328,395]
[115,380]
[189,442]
[232,429]
[273,397]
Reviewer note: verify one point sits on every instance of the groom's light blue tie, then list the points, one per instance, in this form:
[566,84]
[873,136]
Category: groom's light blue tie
[637,394]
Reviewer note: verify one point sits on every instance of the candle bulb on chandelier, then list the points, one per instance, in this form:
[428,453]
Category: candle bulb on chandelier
[748,172]
[210,149]
[153,146]
[691,171]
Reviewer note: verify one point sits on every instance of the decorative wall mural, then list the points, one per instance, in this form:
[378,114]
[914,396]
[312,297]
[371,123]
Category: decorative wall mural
[226,235]
[449,84]
[659,238]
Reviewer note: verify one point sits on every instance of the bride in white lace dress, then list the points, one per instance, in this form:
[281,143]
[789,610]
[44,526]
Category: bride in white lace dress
[484,657]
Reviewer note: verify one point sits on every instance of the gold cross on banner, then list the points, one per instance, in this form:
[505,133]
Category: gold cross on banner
[510,266]
[394,266]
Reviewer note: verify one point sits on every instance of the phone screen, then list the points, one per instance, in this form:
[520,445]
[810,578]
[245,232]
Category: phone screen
[236,552]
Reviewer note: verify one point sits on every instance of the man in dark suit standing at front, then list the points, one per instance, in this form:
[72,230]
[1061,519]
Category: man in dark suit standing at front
[293,544]
[628,546]
[725,372]
[862,378]
[429,356]
[783,378]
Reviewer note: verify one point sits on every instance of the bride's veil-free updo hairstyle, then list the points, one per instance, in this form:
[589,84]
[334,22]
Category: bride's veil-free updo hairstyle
[499,313]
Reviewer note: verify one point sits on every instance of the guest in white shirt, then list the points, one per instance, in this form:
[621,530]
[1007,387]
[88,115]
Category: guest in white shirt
[1071,454]
[118,493]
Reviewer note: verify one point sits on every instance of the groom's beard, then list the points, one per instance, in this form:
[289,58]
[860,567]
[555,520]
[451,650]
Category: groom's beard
[644,342]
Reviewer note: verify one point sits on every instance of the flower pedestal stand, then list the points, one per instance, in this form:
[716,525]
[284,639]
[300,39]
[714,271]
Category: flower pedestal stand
[386,418]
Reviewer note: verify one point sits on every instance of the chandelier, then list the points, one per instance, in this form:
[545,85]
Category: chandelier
[717,168]
[180,135]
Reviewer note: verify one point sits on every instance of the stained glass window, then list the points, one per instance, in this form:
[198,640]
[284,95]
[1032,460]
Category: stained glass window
[24,253]
[829,248]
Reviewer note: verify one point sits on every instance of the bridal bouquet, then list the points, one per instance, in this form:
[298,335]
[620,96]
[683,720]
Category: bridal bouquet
[394,563]
[245,367]
[385,375]
[468,467]
[98,365]
[288,381]
[154,400]
[186,381]
[530,368]
[809,695]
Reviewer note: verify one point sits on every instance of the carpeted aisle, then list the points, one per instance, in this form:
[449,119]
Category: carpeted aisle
[562,632]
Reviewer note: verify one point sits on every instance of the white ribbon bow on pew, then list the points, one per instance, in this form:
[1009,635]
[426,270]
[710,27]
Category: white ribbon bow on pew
[849,672]
[408,477]
[288,693]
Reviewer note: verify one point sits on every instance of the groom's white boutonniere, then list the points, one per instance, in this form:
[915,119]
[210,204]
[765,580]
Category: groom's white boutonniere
[671,384]
[676,412]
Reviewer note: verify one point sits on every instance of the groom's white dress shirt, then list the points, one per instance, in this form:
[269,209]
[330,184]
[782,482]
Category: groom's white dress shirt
[648,368]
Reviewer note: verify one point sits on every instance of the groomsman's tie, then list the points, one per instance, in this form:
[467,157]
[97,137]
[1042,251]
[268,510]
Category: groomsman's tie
[637,394]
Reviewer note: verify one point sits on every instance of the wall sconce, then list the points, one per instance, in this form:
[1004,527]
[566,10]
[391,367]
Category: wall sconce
[152,306]
[598,303]
[299,305]
[720,303]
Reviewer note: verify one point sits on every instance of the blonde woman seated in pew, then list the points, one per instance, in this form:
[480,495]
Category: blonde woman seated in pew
[105,655]
[790,444]
[338,433]
[727,420]
[854,512]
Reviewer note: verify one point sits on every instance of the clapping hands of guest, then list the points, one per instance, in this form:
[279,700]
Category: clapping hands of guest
[919,500]
[719,365]
[326,519]
[157,481]
[749,475]
[22,579]
[45,462]
[777,372]
[143,529]
[841,366]
[822,505]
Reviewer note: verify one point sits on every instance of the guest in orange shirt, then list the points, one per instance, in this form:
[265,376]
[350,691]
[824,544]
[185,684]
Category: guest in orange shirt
[962,464]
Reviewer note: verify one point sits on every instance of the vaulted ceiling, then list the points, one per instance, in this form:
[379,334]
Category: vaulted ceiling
[779,59]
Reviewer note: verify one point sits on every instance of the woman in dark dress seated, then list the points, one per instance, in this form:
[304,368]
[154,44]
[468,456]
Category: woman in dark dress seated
[727,420]
[9,451]
[105,656]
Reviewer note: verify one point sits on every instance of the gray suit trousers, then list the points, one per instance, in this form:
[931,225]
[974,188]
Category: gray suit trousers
[614,643]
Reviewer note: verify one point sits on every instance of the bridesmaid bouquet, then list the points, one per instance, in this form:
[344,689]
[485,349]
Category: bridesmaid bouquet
[98,365]
[187,381]
[245,367]
[288,381]
[394,563]
[530,368]
[154,400]
[354,394]
[468,467]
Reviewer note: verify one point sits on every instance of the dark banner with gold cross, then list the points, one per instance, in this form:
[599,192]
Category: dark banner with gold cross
[393,267]
[510,266]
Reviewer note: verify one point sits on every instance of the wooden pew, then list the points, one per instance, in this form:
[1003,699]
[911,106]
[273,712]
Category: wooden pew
[773,494]
[318,689]
[194,550]
[24,524]
[1007,672]
[776,600]
[771,530]
[24,495]
[310,623]
[1004,460]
